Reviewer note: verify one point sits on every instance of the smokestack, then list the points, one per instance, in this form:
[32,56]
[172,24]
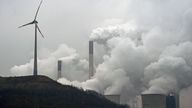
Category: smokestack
[59,69]
[91,65]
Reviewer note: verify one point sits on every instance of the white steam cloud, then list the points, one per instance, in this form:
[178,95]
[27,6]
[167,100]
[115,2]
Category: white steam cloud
[74,65]
[150,53]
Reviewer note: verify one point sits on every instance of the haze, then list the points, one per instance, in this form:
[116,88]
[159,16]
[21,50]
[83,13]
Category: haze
[61,21]
[142,46]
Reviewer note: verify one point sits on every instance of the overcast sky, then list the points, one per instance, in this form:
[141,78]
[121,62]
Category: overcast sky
[162,26]
[61,21]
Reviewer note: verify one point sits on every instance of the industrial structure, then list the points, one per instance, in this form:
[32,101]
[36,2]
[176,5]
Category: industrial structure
[59,68]
[91,62]
[35,66]
[153,101]
[160,100]
[113,98]
[91,59]
[172,100]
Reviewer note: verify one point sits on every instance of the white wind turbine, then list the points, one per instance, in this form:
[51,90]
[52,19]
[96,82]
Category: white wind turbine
[35,69]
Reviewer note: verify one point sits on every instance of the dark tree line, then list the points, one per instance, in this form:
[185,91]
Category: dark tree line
[42,92]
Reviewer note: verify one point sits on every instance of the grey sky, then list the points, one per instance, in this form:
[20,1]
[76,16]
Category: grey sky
[61,21]
[165,26]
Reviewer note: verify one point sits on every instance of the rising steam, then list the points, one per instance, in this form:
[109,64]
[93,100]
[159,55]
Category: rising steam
[150,53]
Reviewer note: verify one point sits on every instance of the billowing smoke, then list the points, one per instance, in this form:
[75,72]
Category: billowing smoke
[74,65]
[150,53]
[130,67]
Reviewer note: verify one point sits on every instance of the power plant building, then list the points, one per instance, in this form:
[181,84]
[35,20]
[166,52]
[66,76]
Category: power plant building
[160,100]
[172,100]
[153,101]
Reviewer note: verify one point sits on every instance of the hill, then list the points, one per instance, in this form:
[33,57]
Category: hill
[43,92]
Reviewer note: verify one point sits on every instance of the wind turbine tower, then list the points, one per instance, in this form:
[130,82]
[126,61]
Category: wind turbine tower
[35,68]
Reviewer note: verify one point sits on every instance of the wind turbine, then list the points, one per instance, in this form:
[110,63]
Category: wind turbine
[35,70]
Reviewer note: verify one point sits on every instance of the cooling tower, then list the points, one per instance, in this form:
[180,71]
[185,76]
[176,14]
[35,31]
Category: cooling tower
[153,101]
[113,98]
[59,69]
[91,59]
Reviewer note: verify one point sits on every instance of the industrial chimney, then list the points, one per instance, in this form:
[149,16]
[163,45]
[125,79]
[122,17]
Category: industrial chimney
[91,62]
[59,69]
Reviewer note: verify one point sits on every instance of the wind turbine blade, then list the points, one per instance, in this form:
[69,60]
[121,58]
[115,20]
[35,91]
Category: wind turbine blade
[40,31]
[26,24]
[38,9]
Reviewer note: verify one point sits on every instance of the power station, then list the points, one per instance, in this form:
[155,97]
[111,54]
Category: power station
[170,100]
[153,101]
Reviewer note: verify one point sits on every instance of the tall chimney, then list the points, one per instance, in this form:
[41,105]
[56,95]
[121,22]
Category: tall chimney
[91,65]
[59,69]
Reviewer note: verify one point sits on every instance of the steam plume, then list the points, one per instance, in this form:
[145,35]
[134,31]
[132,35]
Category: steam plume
[150,53]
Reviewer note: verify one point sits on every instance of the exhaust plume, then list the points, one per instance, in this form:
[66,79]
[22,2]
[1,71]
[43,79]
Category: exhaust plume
[74,66]
[150,53]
